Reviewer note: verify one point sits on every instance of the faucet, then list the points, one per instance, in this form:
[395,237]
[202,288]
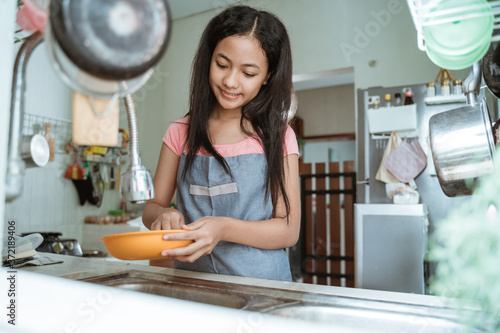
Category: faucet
[472,84]
[137,183]
[15,164]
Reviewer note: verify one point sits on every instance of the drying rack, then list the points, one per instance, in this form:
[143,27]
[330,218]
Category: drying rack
[422,16]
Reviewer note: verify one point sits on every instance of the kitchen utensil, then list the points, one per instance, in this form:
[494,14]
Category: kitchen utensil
[96,123]
[97,186]
[407,161]
[90,189]
[51,141]
[462,140]
[74,170]
[462,147]
[83,188]
[458,43]
[141,245]
[33,15]
[454,62]
[35,150]
[112,182]
[83,82]
[383,174]
[96,45]
[491,69]
[105,176]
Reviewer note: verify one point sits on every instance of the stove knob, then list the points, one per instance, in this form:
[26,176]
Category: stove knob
[69,245]
[58,247]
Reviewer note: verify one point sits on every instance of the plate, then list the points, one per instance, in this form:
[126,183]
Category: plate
[457,62]
[458,44]
[141,245]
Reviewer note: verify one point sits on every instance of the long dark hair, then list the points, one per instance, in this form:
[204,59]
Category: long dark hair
[267,112]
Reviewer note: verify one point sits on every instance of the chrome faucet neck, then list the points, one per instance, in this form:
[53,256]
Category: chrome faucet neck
[137,184]
[15,164]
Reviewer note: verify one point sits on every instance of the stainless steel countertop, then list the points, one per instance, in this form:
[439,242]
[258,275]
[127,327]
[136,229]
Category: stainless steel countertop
[76,268]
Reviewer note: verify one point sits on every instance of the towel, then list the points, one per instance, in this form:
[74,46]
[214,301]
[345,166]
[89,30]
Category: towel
[36,260]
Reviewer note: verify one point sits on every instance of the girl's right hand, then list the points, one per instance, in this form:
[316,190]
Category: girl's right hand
[168,219]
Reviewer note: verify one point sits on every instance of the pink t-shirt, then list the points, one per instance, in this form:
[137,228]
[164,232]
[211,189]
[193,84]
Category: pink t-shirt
[176,134]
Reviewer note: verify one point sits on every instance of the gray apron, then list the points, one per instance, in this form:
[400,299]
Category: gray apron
[209,191]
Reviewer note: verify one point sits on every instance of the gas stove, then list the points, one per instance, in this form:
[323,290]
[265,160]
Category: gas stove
[53,244]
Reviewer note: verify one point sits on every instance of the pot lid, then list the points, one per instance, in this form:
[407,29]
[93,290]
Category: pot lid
[111,39]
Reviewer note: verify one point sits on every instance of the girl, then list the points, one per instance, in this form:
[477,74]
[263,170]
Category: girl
[233,158]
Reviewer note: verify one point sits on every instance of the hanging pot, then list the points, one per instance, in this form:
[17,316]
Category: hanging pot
[107,48]
[463,147]
[491,68]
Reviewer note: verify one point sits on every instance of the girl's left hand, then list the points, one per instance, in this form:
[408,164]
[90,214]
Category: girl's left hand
[206,233]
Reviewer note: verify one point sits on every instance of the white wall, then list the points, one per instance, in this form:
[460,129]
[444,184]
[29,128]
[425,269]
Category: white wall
[321,31]
[327,110]
[329,151]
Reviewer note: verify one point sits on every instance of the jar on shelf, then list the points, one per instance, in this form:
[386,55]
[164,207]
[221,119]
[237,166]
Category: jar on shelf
[397,99]
[445,88]
[388,100]
[431,89]
[457,87]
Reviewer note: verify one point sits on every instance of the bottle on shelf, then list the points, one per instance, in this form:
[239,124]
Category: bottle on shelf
[408,97]
[397,99]
[388,100]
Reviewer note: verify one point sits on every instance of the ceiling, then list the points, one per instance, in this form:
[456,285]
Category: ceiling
[184,8]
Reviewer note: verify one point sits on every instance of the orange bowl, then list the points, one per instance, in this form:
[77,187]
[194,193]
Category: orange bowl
[141,245]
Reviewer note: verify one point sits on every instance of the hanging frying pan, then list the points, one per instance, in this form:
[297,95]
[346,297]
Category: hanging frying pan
[104,47]
[111,39]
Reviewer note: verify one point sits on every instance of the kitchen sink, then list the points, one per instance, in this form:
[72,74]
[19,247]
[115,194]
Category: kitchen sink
[189,289]
[338,311]
[187,293]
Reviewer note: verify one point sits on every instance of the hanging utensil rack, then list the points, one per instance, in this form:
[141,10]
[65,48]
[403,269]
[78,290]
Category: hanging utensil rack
[423,16]
[61,129]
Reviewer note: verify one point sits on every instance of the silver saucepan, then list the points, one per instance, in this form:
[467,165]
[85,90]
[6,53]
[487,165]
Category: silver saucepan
[462,140]
[463,147]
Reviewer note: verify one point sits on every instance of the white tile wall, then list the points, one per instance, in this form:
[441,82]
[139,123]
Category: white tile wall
[49,202]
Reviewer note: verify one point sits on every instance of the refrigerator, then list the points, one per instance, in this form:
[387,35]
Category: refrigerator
[374,211]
